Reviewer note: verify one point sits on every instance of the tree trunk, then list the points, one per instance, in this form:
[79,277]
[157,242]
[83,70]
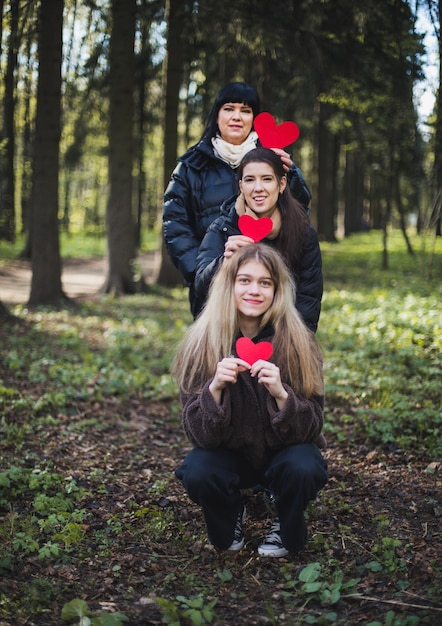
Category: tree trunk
[437,169]
[7,194]
[387,215]
[141,181]
[141,91]
[1,25]
[169,275]
[120,221]
[402,219]
[354,193]
[4,313]
[26,141]
[326,175]
[46,263]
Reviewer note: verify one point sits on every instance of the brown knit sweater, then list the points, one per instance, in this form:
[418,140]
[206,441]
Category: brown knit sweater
[248,420]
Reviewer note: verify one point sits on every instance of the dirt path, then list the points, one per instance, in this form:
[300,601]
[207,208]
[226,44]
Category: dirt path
[80,277]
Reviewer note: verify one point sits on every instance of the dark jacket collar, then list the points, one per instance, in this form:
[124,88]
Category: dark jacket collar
[264,334]
[198,155]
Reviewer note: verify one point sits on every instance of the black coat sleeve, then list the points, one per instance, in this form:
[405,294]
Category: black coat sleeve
[309,281]
[297,185]
[210,257]
[178,228]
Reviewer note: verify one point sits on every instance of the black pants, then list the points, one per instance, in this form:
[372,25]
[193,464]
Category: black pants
[213,479]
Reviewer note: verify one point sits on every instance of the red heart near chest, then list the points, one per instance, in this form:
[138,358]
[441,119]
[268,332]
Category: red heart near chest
[252,352]
[255,229]
[273,136]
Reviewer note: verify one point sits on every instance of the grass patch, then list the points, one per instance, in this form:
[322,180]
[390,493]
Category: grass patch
[382,338]
[79,245]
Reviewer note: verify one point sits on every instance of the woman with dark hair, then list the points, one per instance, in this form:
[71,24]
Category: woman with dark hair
[206,175]
[255,421]
[263,186]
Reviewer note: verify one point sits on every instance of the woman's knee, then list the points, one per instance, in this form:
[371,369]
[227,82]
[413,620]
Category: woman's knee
[206,470]
[300,463]
[193,469]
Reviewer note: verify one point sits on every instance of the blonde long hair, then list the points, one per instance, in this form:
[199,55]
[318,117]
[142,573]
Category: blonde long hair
[211,337]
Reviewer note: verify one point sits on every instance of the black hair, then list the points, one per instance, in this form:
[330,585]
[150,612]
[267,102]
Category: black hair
[232,92]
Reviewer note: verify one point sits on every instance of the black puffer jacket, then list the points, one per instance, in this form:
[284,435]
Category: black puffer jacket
[199,185]
[308,275]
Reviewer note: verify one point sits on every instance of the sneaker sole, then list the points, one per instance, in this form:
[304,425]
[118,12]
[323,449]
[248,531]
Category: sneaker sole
[272,551]
[237,546]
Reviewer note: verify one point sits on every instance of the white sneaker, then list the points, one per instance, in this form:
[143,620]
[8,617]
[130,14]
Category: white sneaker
[272,544]
[238,537]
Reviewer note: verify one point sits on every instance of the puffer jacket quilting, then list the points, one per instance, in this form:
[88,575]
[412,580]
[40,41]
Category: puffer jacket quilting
[199,185]
[308,276]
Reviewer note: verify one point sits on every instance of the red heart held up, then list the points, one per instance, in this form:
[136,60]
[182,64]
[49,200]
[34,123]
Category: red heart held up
[251,352]
[255,229]
[273,136]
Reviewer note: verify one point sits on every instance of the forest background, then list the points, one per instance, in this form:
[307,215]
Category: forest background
[98,99]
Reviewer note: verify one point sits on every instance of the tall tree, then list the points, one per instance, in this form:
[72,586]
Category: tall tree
[120,221]
[327,168]
[7,192]
[1,24]
[360,46]
[435,11]
[27,96]
[169,275]
[46,263]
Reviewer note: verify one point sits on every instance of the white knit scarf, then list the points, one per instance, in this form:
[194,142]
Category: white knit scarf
[230,153]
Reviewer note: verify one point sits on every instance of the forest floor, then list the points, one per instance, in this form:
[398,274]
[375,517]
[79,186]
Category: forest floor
[378,521]
[80,277]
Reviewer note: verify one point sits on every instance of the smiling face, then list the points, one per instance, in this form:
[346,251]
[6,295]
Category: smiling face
[261,188]
[235,121]
[254,291]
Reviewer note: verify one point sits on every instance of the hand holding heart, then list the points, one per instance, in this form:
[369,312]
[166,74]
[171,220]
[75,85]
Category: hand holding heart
[251,357]
[234,243]
[253,230]
[257,354]
[227,371]
[248,353]
[256,229]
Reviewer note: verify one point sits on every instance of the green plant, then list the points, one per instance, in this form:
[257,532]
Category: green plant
[328,589]
[392,402]
[316,582]
[386,556]
[78,612]
[192,609]
[224,575]
[392,619]
[55,523]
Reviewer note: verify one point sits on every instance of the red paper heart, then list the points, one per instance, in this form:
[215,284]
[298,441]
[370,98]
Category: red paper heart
[251,352]
[273,136]
[255,229]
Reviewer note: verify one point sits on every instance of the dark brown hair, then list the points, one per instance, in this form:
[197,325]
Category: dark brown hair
[294,218]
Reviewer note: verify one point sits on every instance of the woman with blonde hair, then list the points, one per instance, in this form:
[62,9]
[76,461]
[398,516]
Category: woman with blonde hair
[256,422]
